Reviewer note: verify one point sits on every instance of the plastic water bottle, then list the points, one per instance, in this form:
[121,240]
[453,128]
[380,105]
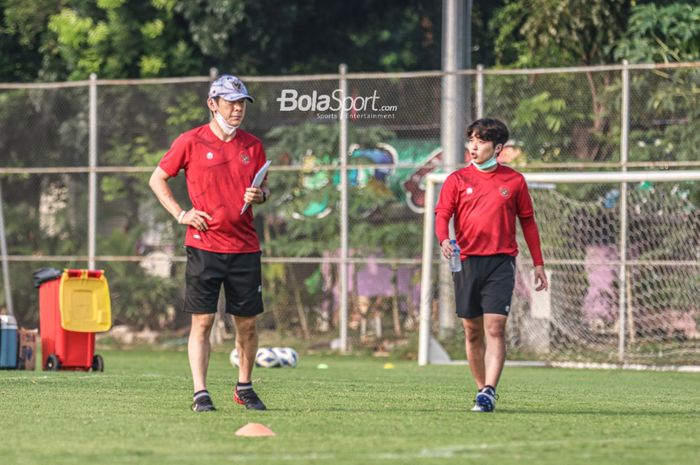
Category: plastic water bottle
[455,260]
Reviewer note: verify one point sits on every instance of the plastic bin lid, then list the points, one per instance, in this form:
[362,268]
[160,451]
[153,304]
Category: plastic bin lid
[43,275]
[84,302]
[8,322]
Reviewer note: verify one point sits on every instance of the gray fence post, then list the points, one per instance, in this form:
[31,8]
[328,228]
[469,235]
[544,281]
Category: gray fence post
[479,91]
[5,265]
[453,107]
[343,153]
[624,152]
[426,276]
[92,176]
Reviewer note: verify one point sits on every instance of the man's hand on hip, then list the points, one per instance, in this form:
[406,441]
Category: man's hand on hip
[197,219]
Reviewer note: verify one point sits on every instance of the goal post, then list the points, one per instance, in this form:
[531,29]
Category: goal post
[595,210]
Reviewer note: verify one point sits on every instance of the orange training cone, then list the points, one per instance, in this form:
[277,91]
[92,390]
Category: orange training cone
[254,430]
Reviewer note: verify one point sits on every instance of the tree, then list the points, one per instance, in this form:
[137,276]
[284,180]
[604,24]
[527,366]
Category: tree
[665,119]
[553,33]
[669,33]
[117,38]
[69,39]
[22,26]
[270,37]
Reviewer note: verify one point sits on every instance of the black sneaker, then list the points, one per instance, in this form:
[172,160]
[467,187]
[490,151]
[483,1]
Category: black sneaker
[485,400]
[249,398]
[203,403]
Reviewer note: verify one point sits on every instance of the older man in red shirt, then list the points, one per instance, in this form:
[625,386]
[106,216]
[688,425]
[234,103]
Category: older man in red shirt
[220,161]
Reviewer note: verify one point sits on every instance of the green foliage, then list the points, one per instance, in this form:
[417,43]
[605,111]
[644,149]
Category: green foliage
[117,39]
[22,30]
[46,39]
[315,144]
[668,33]
[541,106]
[302,216]
[550,33]
[69,39]
[549,119]
[138,299]
[666,115]
[554,33]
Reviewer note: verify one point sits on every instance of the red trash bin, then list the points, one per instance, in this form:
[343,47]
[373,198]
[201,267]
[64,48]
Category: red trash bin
[61,348]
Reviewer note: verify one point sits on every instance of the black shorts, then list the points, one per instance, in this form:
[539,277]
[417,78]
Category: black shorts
[485,285]
[240,273]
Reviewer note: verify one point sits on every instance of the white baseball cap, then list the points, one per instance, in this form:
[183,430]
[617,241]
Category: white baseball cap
[229,88]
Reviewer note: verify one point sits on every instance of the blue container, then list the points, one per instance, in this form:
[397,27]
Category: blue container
[8,341]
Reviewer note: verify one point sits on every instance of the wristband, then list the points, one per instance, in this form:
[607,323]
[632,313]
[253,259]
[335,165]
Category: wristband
[181,216]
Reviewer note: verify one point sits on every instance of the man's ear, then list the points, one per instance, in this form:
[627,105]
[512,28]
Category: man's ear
[498,149]
[212,104]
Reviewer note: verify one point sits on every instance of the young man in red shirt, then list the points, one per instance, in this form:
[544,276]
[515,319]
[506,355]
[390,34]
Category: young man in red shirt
[220,162]
[485,198]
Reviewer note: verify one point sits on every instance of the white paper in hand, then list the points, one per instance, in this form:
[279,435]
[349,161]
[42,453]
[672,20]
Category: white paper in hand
[257,181]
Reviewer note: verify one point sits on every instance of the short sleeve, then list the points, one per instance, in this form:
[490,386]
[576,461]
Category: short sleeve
[177,157]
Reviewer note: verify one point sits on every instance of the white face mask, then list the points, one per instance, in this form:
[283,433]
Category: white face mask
[228,129]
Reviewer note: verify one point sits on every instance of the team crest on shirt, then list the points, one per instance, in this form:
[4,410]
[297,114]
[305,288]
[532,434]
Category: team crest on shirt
[245,158]
[469,190]
[505,192]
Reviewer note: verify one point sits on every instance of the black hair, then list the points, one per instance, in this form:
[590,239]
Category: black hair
[490,130]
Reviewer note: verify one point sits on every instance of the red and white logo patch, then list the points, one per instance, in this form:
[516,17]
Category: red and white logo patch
[505,192]
[245,158]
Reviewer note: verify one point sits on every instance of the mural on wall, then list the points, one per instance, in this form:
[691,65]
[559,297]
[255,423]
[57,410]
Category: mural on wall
[407,184]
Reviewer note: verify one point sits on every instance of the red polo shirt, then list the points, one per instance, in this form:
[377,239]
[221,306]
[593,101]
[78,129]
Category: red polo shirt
[217,175]
[485,206]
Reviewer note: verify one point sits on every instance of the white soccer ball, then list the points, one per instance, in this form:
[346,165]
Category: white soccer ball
[288,357]
[267,358]
[234,358]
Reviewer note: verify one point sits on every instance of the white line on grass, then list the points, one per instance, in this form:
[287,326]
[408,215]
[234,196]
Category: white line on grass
[442,452]
[68,377]
[76,376]
[626,366]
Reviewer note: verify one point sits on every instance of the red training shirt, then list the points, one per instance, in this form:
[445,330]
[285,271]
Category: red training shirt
[218,174]
[485,206]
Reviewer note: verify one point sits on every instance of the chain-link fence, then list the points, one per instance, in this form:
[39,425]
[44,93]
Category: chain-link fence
[368,158]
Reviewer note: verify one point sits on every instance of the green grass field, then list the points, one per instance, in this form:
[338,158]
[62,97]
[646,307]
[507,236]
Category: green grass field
[355,412]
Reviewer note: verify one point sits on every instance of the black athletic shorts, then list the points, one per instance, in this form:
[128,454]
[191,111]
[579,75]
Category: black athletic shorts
[485,285]
[240,274]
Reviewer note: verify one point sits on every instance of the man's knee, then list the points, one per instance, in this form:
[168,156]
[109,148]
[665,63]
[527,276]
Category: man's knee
[495,327]
[245,328]
[202,324]
[473,330]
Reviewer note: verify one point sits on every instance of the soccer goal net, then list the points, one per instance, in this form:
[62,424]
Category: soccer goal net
[622,252]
